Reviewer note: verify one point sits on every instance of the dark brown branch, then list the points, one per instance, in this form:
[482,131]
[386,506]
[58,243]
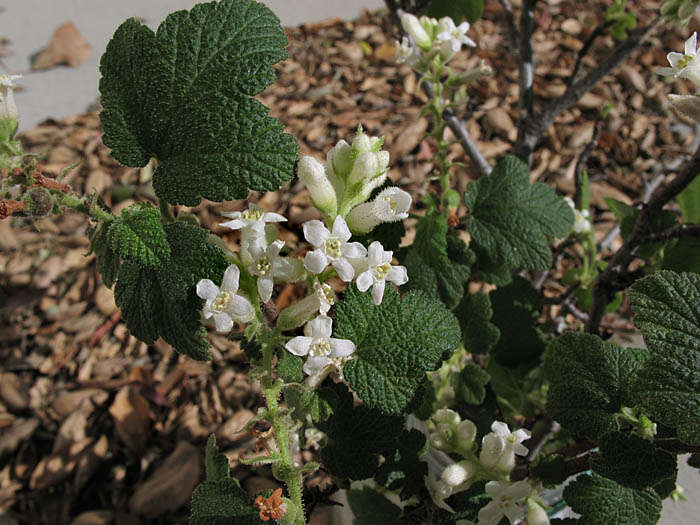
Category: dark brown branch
[527,69]
[598,31]
[611,279]
[683,230]
[512,29]
[532,128]
[547,429]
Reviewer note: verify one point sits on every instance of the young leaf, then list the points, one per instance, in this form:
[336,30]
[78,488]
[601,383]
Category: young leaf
[472,384]
[220,499]
[689,201]
[162,302]
[633,461]
[183,96]
[396,343]
[590,381]
[602,501]
[511,220]
[370,507]
[138,235]
[437,263]
[667,312]
[108,262]
[289,367]
[479,335]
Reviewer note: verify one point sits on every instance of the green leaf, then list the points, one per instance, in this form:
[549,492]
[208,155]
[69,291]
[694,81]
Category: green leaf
[667,312]
[488,271]
[437,263]
[689,201]
[602,501]
[516,308]
[317,404]
[683,255]
[590,381]
[396,343]
[183,96]
[511,394]
[138,235]
[387,233]
[220,500]
[512,220]
[472,384]
[370,507]
[404,471]
[108,262]
[633,461]
[289,367]
[479,335]
[457,9]
[357,435]
[162,302]
[627,215]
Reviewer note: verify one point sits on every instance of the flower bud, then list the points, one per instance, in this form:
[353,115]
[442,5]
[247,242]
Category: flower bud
[457,473]
[8,108]
[366,167]
[448,416]
[392,204]
[437,441]
[415,29]
[362,142]
[313,175]
[536,515]
[38,202]
[362,218]
[298,313]
[466,432]
[340,158]
[492,448]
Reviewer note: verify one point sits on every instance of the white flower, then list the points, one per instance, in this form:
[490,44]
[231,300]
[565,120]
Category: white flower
[684,65]
[407,52]
[458,473]
[224,304]
[8,108]
[416,29]
[320,346]
[254,218]
[326,297]
[331,247]
[313,175]
[451,37]
[268,265]
[536,515]
[500,446]
[391,205]
[581,222]
[378,271]
[513,440]
[505,501]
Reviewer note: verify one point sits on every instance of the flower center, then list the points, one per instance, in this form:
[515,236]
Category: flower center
[381,271]
[222,301]
[392,204]
[683,62]
[320,348]
[251,214]
[263,265]
[333,247]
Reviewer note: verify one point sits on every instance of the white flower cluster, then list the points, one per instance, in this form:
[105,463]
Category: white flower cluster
[582,223]
[428,37]
[685,65]
[496,459]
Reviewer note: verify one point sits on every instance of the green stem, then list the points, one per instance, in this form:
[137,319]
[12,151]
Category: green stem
[82,205]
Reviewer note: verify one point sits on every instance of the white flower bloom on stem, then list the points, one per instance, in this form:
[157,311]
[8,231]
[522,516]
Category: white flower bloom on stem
[500,446]
[224,304]
[320,346]
[268,266]
[513,440]
[417,31]
[8,108]
[378,271]
[331,247]
[407,52]
[254,218]
[392,204]
[581,222]
[295,315]
[505,501]
[326,297]
[536,515]
[684,65]
[450,37]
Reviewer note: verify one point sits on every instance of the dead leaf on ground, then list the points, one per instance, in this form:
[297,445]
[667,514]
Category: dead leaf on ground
[67,46]
[132,418]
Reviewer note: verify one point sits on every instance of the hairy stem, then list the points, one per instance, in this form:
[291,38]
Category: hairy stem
[84,205]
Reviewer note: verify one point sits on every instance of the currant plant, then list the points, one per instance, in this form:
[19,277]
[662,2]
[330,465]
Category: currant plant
[422,374]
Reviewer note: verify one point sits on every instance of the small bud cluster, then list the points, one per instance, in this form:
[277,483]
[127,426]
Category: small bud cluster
[685,65]
[429,37]
[494,462]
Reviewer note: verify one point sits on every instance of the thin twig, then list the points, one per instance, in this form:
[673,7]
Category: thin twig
[512,29]
[527,69]
[598,31]
[676,232]
[548,428]
[609,281]
[563,297]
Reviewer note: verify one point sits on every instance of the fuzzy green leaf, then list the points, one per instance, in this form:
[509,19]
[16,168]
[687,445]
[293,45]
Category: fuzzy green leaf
[683,255]
[512,220]
[602,501]
[667,312]
[474,312]
[404,469]
[472,384]
[316,404]
[138,235]
[289,367]
[162,302]
[396,343]
[550,469]
[217,467]
[369,507]
[108,262]
[590,381]
[183,96]
[387,233]
[437,263]
[633,461]
[457,9]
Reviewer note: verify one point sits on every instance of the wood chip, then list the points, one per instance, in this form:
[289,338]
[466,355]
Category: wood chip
[67,46]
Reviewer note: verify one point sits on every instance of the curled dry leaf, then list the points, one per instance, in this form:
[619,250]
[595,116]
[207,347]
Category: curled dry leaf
[67,46]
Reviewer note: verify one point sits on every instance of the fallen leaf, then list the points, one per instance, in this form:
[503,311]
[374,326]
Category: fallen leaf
[67,46]
[132,418]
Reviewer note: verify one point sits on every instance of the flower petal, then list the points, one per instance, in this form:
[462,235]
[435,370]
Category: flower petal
[265,286]
[314,365]
[206,289]
[691,44]
[364,281]
[235,224]
[353,250]
[316,261]
[299,345]
[223,322]
[378,292]
[490,514]
[315,232]
[341,347]
[397,275]
[375,253]
[322,326]
[240,309]
[344,269]
[230,281]
[500,428]
[340,229]
[273,217]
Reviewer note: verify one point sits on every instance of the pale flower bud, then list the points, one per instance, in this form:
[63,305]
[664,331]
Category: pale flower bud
[536,515]
[437,441]
[458,473]
[313,175]
[298,313]
[466,433]
[415,29]
[448,416]
[340,159]
[492,448]
[362,218]
[361,143]
[366,167]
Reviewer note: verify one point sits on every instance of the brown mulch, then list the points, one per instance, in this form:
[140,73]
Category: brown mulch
[97,427]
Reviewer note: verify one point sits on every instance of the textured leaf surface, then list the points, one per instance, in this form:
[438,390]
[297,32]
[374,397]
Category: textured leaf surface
[511,220]
[689,200]
[162,302]
[474,312]
[437,263]
[289,367]
[108,262]
[404,471]
[633,461]
[602,501]
[137,234]
[590,381]
[183,96]
[472,384]
[683,255]
[396,343]
[667,312]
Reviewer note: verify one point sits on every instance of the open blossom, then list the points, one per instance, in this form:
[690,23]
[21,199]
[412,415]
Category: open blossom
[391,205]
[505,501]
[408,52]
[377,269]
[450,37]
[500,446]
[321,348]
[254,218]
[8,108]
[268,265]
[684,65]
[331,247]
[224,304]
